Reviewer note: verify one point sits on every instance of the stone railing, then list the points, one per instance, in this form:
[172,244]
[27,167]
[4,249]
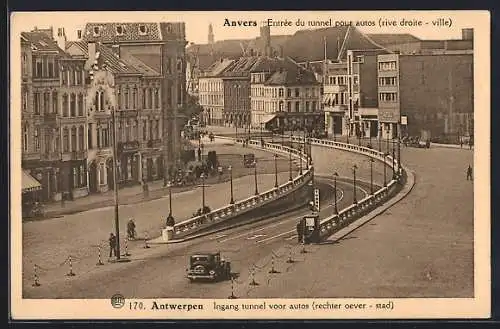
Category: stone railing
[335,222]
[252,202]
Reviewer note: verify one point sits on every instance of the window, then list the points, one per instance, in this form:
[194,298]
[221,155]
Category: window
[73,105]
[63,76]
[157,99]
[81,139]
[83,177]
[101,173]
[24,64]
[157,127]
[144,98]
[54,102]
[355,80]
[127,131]
[99,137]
[288,92]
[307,92]
[387,66]
[134,98]
[119,30]
[73,139]
[36,139]
[57,140]
[71,79]
[144,130]
[307,106]
[89,136]
[388,97]
[46,100]
[151,130]
[105,136]
[282,106]
[297,106]
[142,29]
[101,101]
[39,68]
[36,105]
[96,31]
[65,105]
[25,138]
[150,98]
[125,96]
[78,73]
[281,92]
[48,142]
[25,100]
[80,105]
[51,69]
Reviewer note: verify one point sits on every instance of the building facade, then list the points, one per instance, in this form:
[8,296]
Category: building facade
[53,115]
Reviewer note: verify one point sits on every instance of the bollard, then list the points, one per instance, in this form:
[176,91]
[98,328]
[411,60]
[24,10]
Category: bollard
[71,273]
[126,248]
[290,259]
[99,262]
[303,250]
[233,296]
[36,283]
[273,270]
[146,237]
[253,283]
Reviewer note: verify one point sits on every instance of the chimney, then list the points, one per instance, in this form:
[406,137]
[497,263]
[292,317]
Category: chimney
[265,35]
[92,55]
[468,34]
[79,34]
[61,38]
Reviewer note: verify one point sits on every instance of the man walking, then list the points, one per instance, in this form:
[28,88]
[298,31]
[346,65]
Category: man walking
[300,231]
[469,173]
[112,245]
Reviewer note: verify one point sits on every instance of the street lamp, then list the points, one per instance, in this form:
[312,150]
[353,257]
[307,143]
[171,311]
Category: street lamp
[335,175]
[202,176]
[355,200]
[255,177]
[393,156]
[169,218]
[300,159]
[371,175]
[385,169]
[276,170]
[231,182]
[115,185]
[290,157]
[348,128]
[333,124]
[380,137]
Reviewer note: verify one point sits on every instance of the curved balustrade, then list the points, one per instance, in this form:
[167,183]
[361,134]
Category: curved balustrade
[255,201]
[335,222]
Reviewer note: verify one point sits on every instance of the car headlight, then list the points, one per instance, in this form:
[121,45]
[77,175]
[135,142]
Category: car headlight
[212,272]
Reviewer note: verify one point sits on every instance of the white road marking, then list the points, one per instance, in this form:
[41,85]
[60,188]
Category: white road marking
[276,236]
[292,237]
[218,236]
[258,230]
[255,236]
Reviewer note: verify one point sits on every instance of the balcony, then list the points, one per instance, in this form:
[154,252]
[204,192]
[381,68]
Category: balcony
[27,156]
[154,143]
[78,155]
[50,118]
[53,156]
[128,147]
[101,114]
[127,113]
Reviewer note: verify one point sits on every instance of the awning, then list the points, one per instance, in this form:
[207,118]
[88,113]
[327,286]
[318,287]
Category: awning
[267,118]
[30,183]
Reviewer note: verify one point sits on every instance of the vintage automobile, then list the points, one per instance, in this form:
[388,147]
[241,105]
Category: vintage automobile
[208,265]
[249,160]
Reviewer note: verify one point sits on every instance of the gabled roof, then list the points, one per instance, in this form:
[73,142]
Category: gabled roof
[287,72]
[393,38]
[131,32]
[139,65]
[40,41]
[106,56]
[218,67]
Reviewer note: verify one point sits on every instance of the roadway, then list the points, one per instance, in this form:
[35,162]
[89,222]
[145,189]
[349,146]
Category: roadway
[160,270]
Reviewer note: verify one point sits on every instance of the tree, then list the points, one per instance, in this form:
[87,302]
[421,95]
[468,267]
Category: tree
[191,107]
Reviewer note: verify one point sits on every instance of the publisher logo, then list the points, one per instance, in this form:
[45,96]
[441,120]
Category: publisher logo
[117,301]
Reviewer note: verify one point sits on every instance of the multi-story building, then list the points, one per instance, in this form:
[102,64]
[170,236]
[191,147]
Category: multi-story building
[211,93]
[284,95]
[160,47]
[138,112]
[53,115]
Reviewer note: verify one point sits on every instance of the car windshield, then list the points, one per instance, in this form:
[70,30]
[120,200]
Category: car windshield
[200,258]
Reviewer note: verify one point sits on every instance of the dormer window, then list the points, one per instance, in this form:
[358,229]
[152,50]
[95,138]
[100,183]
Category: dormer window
[97,31]
[143,29]
[119,30]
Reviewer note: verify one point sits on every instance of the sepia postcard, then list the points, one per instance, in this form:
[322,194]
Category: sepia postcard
[250,165]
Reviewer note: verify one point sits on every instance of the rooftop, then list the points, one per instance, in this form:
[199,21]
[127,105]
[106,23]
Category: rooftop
[41,41]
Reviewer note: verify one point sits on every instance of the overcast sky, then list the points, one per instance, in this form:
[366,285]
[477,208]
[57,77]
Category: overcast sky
[197,22]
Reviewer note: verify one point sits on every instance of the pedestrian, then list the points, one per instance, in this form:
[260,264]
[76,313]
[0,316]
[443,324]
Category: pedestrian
[131,229]
[300,231]
[112,245]
[469,173]
[199,154]
[461,143]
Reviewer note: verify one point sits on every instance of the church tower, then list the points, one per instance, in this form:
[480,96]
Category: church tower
[210,34]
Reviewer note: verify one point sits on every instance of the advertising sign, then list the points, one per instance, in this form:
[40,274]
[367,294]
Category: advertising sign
[316,199]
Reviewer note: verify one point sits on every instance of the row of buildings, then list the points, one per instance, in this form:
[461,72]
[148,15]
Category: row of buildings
[344,82]
[67,114]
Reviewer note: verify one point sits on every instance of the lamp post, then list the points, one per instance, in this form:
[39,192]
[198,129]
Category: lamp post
[169,184]
[290,157]
[348,129]
[380,137]
[385,170]
[300,159]
[371,175]
[387,141]
[255,177]
[231,183]
[115,185]
[358,132]
[355,200]
[335,175]
[333,124]
[202,176]
[276,170]
[393,164]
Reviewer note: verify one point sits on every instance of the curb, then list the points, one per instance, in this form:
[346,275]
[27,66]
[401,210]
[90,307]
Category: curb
[377,211]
